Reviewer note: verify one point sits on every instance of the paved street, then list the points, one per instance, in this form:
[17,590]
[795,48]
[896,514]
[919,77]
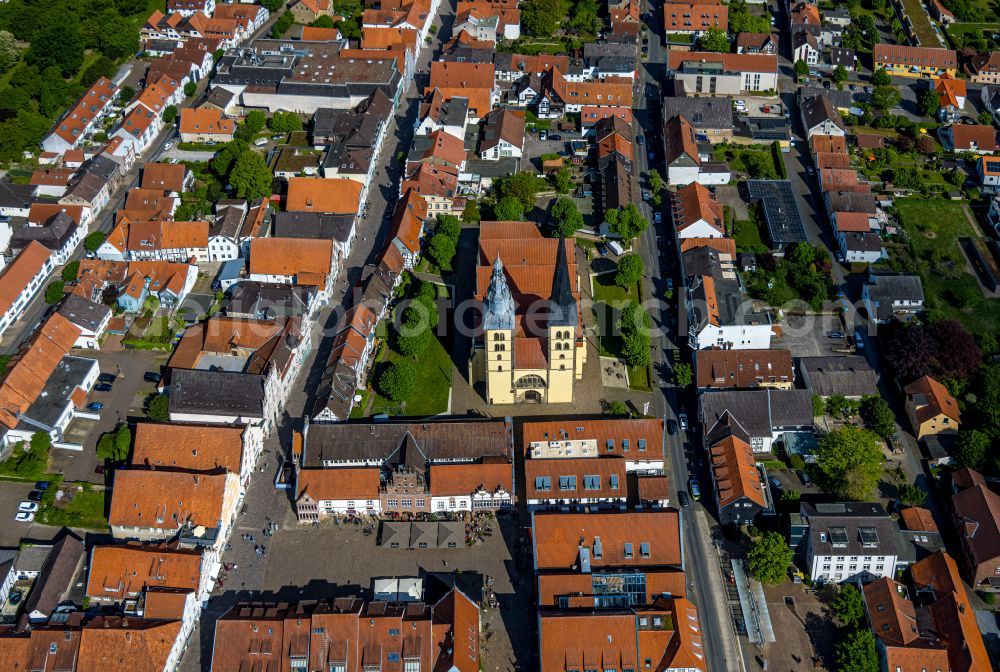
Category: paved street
[263,503]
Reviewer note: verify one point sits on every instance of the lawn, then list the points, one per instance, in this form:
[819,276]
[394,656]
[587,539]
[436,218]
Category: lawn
[199,202]
[933,228]
[747,235]
[433,380]
[609,299]
[757,161]
[80,505]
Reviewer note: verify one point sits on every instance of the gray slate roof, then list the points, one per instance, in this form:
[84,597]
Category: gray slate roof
[702,113]
[759,412]
[847,376]
[407,443]
[852,516]
[224,393]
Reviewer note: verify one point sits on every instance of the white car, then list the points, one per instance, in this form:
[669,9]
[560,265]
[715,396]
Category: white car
[24,517]
[28,507]
[168,145]
[683,420]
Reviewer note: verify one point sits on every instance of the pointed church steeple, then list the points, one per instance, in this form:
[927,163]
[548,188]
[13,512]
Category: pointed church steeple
[562,304]
[498,308]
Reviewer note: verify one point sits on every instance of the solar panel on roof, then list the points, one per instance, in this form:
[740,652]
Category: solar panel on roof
[992,165]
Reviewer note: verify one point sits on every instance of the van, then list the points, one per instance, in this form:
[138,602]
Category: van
[616,247]
[260,142]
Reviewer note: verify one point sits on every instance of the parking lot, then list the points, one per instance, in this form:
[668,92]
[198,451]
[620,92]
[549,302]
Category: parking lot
[809,335]
[13,493]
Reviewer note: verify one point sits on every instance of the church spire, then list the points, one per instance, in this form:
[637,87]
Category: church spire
[498,308]
[562,304]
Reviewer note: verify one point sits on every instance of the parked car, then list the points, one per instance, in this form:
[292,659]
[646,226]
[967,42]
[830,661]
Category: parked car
[810,171]
[35,496]
[773,480]
[670,284]
[30,507]
[804,477]
[672,427]
[683,498]
[152,377]
[555,137]
[42,485]
[694,488]
[683,419]
[639,139]
[103,387]
[260,142]
[543,134]
[602,249]
[24,517]
[859,339]
[836,334]
[278,137]
[168,145]
[106,378]
[99,470]
[95,407]
[658,217]
[651,156]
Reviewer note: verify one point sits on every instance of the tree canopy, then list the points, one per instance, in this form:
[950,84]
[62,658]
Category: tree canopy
[542,18]
[714,40]
[508,209]
[848,605]
[398,381]
[250,176]
[628,223]
[522,186]
[568,219]
[878,416]
[158,408]
[630,270]
[855,652]
[768,558]
[742,21]
[850,462]
[285,122]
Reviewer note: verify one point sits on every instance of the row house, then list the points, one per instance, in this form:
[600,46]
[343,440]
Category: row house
[439,114]
[21,280]
[686,162]
[93,185]
[170,178]
[763,416]
[45,386]
[51,182]
[189,7]
[717,368]
[329,196]
[723,74]
[696,213]
[976,512]
[438,186]
[625,17]
[204,125]
[403,468]
[695,18]
[90,317]
[121,574]
[905,61]
[985,68]
[374,635]
[293,261]
[719,314]
[741,491]
[893,296]
[131,283]
[559,95]
[501,134]
[83,118]
[510,68]
[355,139]
[236,223]
[505,16]
[58,228]
[846,541]
[407,233]
[475,81]
[160,241]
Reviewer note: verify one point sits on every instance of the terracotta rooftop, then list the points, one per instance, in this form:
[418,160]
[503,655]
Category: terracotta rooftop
[165,500]
[123,572]
[932,399]
[189,447]
[558,538]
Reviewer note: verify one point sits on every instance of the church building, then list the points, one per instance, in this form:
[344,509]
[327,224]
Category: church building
[530,347]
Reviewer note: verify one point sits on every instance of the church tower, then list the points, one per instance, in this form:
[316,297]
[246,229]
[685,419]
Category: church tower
[562,327]
[498,335]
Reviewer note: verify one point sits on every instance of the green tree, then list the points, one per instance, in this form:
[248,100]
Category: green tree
[683,375]
[906,177]
[801,68]
[523,187]
[840,74]
[10,52]
[929,103]
[158,408]
[55,292]
[441,249]
[169,114]
[563,181]
[449,225]
[655,181]
[819,406]
[769,557]
[58,43]
[254,122]
[190,88]
[635,348]
[742,21]
[398,381]
[273,5]
[850,462]
[568,218]
[125,95]
[508,209]
[118,37]
[881,78]
[413,338]
[855,652]
[714,40]
[225,158]
[985,119]
[323,22]
[93,241]
[542,18]
[912,495]
[285,122]
[878,416]
[102,67]
[281,26]
[614,408]
[628,223]
[630,270]
[250,176]
[70,271]
[349,29]
[971,448]
[848,605]
[471,214]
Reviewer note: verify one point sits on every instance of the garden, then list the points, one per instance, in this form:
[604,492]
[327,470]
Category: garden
[757,161]
[417,356]
[933,228]
[803,274]
[622,332]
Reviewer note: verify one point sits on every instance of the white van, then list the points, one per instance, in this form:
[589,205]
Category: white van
[616,247]
[260,142]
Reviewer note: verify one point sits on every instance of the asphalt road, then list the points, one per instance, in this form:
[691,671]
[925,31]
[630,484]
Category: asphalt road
[704,576]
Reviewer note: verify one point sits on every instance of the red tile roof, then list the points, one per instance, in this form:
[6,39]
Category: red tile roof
[558,537]
[937,400]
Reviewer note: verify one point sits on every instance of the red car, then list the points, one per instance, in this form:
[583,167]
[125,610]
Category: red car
[99,469]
